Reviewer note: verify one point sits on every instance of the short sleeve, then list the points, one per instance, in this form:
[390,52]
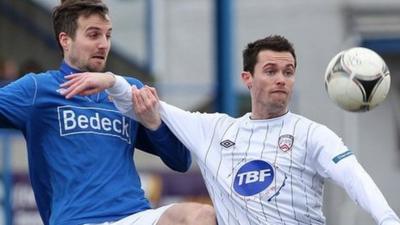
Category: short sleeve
[16,101]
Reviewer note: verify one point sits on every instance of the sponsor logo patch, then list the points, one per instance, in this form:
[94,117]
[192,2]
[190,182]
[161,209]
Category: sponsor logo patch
[341,156]
[253,177]
[79,120]
[285,142]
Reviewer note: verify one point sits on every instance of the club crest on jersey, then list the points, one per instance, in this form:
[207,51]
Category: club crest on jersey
[227,143]
[253,177]
[285,142]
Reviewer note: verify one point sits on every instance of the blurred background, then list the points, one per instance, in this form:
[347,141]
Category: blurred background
[191,51]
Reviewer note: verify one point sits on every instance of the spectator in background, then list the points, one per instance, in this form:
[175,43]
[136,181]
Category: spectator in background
[30,66]
[8,71]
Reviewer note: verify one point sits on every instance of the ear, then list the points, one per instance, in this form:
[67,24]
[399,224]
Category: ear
[247,79]
[64,40]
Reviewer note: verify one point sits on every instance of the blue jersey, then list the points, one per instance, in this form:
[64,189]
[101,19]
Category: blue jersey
[80,150]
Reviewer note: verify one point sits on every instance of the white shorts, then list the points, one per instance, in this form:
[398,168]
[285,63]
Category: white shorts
[150,217]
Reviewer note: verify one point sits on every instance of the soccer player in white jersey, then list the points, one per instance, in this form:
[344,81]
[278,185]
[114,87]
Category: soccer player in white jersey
[268,166]
[80,150]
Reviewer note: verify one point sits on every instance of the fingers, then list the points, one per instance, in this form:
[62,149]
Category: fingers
[70,87]
[145,106]
[79,83]
[74,75]
[154,92]
[136,99]
[76,88]
[72,78]
[144,98]
[147,96]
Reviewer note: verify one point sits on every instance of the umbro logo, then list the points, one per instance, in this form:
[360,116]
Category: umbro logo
[227,143]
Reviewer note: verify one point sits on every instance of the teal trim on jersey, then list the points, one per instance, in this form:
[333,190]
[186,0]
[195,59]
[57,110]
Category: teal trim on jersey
[342,156]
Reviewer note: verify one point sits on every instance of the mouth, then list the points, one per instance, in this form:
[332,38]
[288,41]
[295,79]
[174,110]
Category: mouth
[100,57]
[280,92]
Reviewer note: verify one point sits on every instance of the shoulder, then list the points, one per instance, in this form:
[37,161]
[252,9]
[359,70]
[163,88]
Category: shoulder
[307,122]
[315,130]
[44,80]
[323,135]
[217,117]
[38,78]
[26,81]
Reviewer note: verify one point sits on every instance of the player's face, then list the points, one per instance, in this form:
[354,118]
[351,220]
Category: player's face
[271,83]
[88,51]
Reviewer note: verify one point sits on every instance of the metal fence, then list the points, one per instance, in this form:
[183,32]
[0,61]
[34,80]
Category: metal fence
[6,177]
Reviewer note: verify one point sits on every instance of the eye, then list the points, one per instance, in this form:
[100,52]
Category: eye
[269,72]
[93,35]
[288,73]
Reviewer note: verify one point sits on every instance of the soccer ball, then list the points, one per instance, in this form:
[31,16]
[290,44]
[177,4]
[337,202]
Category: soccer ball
[357,79]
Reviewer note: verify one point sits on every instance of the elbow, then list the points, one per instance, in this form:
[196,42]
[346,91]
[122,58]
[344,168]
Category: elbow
[185,164]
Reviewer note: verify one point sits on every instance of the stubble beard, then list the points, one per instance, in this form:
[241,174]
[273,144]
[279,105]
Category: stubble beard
[267,110]
[95,68]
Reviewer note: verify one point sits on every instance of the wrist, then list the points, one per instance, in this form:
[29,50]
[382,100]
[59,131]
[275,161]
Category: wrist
[153,126]
[390,220]
[112,79]
[159,132]
[119,86]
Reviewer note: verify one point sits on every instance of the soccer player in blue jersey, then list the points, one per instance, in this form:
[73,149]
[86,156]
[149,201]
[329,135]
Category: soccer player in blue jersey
[268,166]
[80,150]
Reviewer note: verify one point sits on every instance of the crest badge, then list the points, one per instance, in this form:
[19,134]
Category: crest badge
[285,142]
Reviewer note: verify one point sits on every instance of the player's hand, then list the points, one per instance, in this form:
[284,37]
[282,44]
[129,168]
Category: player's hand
[146,107]
[86,83]
[390,222]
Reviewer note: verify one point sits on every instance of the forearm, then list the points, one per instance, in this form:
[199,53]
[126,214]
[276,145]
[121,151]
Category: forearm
[160,141]
[172,152]
[121,95]
[362,189]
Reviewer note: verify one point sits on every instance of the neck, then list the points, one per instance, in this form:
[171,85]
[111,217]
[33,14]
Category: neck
[72,65]
[268,113]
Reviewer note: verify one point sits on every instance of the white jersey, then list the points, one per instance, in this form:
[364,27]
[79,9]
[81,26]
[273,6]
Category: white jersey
[259,171]
[269,172]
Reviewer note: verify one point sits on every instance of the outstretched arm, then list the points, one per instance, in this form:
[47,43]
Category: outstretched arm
[363,190]
[118,88]
[333,160]
[153,137]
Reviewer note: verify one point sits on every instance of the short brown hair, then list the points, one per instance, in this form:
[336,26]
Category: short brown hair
[65,16]
[274,42]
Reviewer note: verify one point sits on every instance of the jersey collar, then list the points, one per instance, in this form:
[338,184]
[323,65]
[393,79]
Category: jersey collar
[272,120]
[67,69]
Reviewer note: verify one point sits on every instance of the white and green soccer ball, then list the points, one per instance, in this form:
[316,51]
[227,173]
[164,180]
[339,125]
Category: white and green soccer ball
[357,79]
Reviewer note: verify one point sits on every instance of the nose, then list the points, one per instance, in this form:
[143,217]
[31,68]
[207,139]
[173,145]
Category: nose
[104,42]
[280,79]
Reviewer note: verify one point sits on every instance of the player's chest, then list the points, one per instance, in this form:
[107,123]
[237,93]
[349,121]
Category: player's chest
[269,143]
[253,155]
[82,116]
